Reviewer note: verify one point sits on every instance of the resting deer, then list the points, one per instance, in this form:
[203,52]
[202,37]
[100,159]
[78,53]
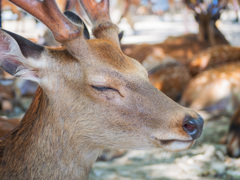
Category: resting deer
[215,91]
[233,138]
[213,57]
[7,97]
[7,125]
[206,15]
[91,96]
[184,47]
[166,74]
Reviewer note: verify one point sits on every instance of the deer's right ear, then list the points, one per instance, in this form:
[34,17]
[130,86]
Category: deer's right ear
[19,56]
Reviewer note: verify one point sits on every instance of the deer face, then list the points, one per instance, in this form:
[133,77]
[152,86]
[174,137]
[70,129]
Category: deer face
[103,97]
[126,110]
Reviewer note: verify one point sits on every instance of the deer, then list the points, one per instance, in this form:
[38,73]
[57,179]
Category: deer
[184,47]
[206,15]
[7,97]
[7,5]
[7,125]
[189,50]
[170,78]
[64,5]
[167,74]
[91,96]
[14,93]
[213,57]
[215,91]
[233,136]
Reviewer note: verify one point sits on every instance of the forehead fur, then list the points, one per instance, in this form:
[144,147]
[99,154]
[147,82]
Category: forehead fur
[110,54]
[100,53]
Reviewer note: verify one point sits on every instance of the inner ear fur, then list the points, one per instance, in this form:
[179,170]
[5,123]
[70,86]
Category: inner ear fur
[28,48]
[19,56]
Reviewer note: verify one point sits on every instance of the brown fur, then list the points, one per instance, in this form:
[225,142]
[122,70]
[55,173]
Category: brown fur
[213,57]
[167,74]
[182,48]
[92,97]
[49,126]
[7,125]
[171,80]
[215,90]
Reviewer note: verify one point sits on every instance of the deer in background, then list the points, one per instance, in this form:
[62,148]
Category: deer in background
[183,48]
[213,57]
[215,88]
[233,137]
[91,96]
[215,91]
[214,68]
[167,74]
[206,15]
[7,125]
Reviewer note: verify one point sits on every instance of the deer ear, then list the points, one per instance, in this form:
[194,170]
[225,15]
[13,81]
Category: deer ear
[77,20]
[19,56]
[120,36]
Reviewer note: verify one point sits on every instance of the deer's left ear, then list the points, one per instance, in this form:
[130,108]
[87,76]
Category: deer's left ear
[19,56]
[76,19]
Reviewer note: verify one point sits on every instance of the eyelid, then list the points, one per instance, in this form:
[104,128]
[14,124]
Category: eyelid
[103,88]
[100,84]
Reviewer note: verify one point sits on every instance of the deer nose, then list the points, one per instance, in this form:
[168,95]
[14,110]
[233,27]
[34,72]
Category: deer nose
[193,126]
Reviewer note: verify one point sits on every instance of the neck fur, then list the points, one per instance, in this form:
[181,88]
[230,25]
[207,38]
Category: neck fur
[42,147]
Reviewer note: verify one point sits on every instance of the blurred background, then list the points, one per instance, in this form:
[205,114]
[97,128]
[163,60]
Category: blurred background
[191,50]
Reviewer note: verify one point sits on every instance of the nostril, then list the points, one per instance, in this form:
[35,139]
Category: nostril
[193,126]
[189,127]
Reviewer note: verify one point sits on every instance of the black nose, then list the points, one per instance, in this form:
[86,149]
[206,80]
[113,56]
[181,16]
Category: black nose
[193,126]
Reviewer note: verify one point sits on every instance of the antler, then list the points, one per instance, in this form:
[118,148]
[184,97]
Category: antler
[48,12]
[98,13]
[213,8]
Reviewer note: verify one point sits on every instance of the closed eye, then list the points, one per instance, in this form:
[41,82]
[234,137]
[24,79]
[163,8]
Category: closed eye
[103,88]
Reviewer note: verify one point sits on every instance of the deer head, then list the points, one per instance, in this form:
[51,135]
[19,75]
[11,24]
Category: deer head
[206,15]
[93,94]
